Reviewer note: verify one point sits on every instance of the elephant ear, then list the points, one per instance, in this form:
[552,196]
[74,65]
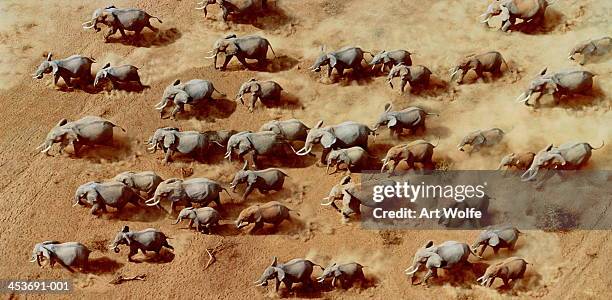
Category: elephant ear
[386,58]
[478,139]
[493,240]
[346,179]
[232,48]
[428,244]
[54,68]
[392,122]
[93,196]
[46,252]
[328,140]
[505,12]
[337,272]
[255,87]
[280,274]
[548,148]
[177,82]
[169,139]
[252,178]
[388,107]
[49,56]
[71,135]
[62,122]
[259,218]
[434,261]
[106,66]
[274,261]
[332,60]
[319,124]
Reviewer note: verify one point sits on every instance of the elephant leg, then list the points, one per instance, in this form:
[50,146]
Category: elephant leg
[133,251]
[255,163]
[76,146]
[167,156]
[329,72]
[428,275]
[226,61]
[67,80]
[495,249]
[177,108]
[340,71]
[506,24]
[110,32]
[258,226]
[148,25]
[243,61]
[172,207]
[124,36]
[253,101]
[324,154]
[403,84]
[482,250]
[217,201]
[248,191]
[190,224]
[225,13]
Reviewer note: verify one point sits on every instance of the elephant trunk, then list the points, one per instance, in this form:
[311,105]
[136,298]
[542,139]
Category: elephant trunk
[47,145]
[262,281]
[178,219]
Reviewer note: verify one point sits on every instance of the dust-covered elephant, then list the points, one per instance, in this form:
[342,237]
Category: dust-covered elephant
[243,48]
[200,191]
[75,66]
[448,255]
[121,19]
[193,92]
[562,83]
[69,255]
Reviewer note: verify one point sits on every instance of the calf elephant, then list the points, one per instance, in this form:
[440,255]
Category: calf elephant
[251,47]
[294,271]
[520,161]
[345,58]
[481,138]
[593,47]
[235,7]
[489,62]
[417,76]
[391,58]
[419,151]
[411,118]
[118,76]
[448,255]
[568,156]
[271,179]
[269,92]
[172,140]
[564,83]
[187,192]
[272,212]
[75,66]
[122,19]
[291,130]
[205,218]
[512,268]
[353,158]
[193,92]
[87,131]
[343,135]
[101,194]
[149,239]
[347,274]
[69,255]
[496,238]
[145,182]
[265,143]
[530,11]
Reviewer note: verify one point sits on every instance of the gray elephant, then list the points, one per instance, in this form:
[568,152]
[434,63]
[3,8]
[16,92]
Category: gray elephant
[347,274]
[75,66]
[269,92]
[481,138]
[345,58]
[419,151]
[122,19]
[266,143]
[563,83]
[568,156]
[69,255]
[251,47]
[391,58]
[87,131]
[353,158]
[530,11]
[291,130]
[118,76]
[99,195]
[193,92]
[490,62]
[145,182]
[205,218]
[510,269]
[171,140]
[417,76]
[270,179]
[294,271]
[272,212]
[411,118]
[448,255]
[594,47]
[340,136]
[235,7]
[478,204]
[496,238]
[219,137]
[187,192]
[520,161]
[149,239]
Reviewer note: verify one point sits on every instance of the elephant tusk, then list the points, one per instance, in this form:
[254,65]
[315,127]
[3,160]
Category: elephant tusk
[46,149]
[87,22]
[88,27]
[33,260]
[384,166]
[412,272]
[209,57]
[320,280]
[149,203]
[328,203]
[303,151]
[200,8]
[152,147]
[485,20]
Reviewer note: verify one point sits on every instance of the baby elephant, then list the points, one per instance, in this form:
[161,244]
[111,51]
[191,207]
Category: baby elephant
[512,268]
[272,212]
[594,47]
[417,76]
[354,157]
[411,118]
[391,58]
[294,271]
[68,255]
[102,194]
[520,161]
[269,92]
[270,179]
[481,138]
[503,237]
[145,182]
[205,218]
[149,239]
[489,62]
[75,66]
[419,151]
[346,274]
[118,76]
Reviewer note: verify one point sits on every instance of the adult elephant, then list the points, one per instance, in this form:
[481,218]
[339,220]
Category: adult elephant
[568,156]
[447,255]
[531,11]
[251,47]
[267,143]
[193,92]
[343,135]
[562,83]
[185,192]
[122,19]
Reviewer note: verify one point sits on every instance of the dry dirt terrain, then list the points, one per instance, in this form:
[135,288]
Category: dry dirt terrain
[36,191]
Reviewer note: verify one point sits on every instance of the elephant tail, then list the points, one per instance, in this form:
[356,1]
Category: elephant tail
[219,92]
[115,125]
[603,143]
[320,266]
[228,194]
[156,18]
[433,114]
[270,45]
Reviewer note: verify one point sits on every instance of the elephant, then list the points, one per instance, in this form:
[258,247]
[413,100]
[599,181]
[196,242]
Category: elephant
[594,47]
[270,179]
[122,19]
[419,151]
[171,140]
[269,92]
[291,130]
[272,212]
[481,138]
[563,83]
[418,76]
[186,192]
[345,58]
[236,7]
[121,75]
[530,11]
[265,143]
[520,161]
[205,218]
[339,136]
[411,118]
[75,66]
[347,274]
[193,92]
[219,137]
[568,156]
[512,268]
[448,255]
[496,238]
[102,194]
[354,157]
[69,255]
[145,182]
[149,239]
[391,58]
[294,271]
[251,47]
[490,62]
[479,204]
[87,131]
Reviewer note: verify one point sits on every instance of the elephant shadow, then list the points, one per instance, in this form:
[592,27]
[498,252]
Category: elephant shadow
[221,108]
[125,87]
[149,39]
[140,214]
[463,276]
[165,256]
[273,18]
[120,149]
[228,229]
[435,88]
[280,63]
[77,85]
[287,101]
[103,265]
[579,102]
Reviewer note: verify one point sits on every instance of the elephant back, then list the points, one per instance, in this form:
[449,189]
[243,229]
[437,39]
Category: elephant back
[198,89]
[350,55]
[114,193]
[130,18]
[351,133]
[453,252]
[201,190]
[575,154]
[575,81]
[71,253]
[75,64]
[93,129]
[263,142]
[298,269]
[150,238]
[252,46]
